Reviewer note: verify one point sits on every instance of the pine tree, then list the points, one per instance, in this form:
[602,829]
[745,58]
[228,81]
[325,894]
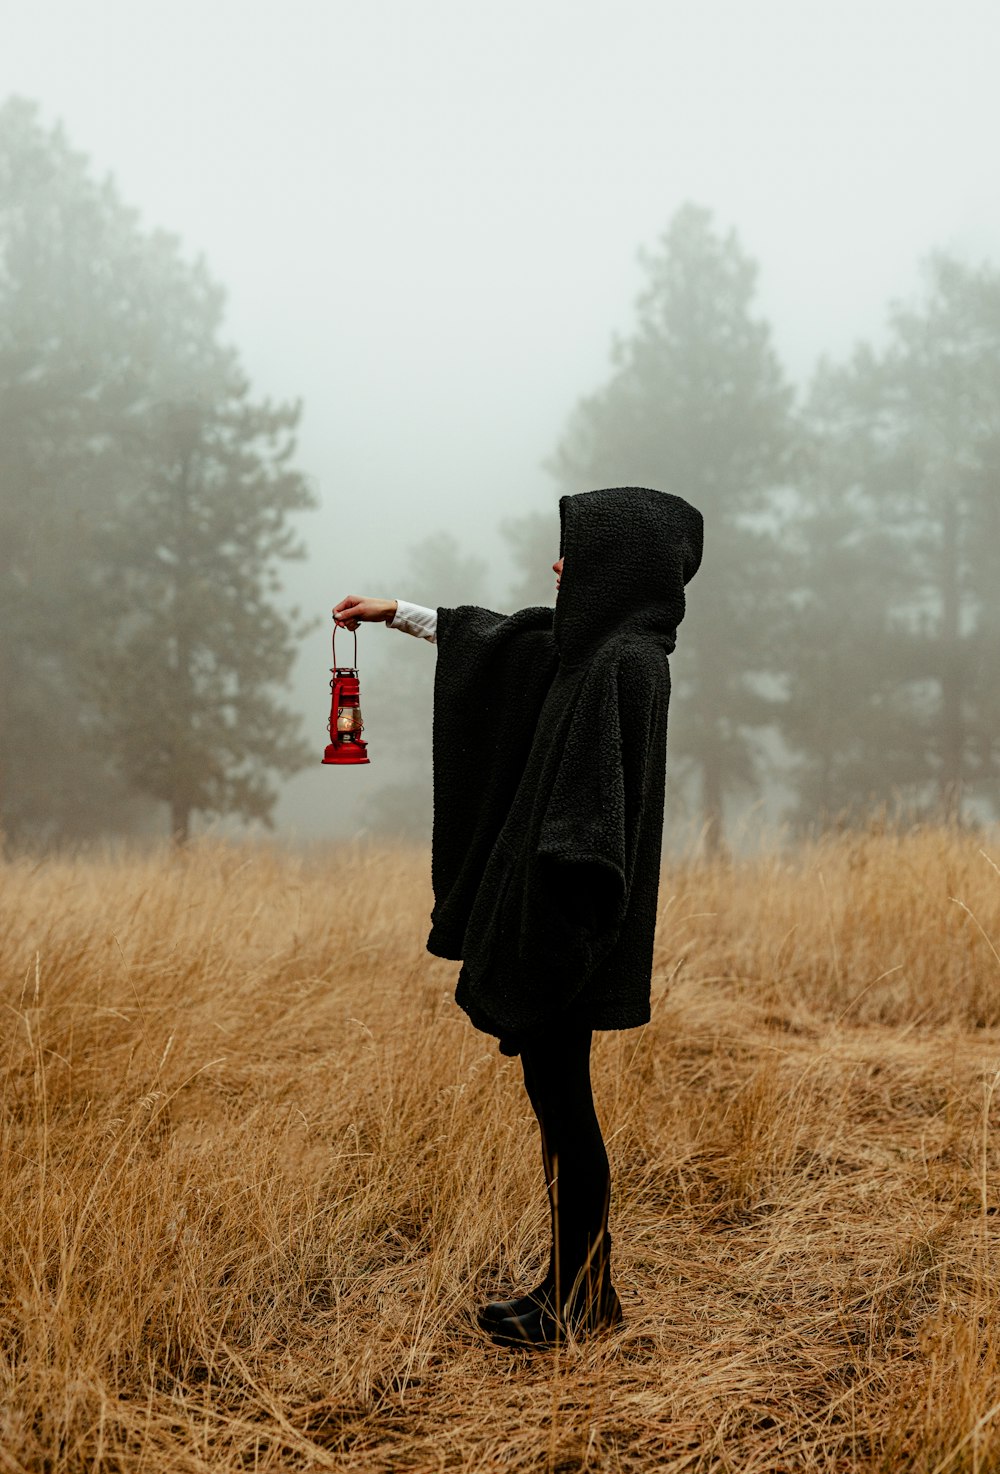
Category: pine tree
[186,687]
[938,481]
[697,405]
[64,339]
[845,718]
[894,669]
[106,335]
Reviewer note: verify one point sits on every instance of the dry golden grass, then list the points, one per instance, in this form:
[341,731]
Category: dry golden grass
[257,1169]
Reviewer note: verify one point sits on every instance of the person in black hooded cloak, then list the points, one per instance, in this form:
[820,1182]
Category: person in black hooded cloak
[549,767]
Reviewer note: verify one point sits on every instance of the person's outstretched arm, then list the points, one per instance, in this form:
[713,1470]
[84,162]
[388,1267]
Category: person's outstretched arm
[412,619]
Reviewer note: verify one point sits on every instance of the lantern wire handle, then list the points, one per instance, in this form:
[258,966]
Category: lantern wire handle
[355,634]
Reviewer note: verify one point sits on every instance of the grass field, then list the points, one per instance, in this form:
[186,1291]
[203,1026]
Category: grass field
[256,1169]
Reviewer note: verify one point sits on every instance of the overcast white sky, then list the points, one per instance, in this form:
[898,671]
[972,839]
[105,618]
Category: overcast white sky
[427,214]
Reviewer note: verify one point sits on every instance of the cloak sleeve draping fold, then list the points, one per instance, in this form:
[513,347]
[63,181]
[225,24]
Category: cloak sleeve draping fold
[492,675]
[580,872]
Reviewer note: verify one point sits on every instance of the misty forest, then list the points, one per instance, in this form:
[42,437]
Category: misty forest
[843,639]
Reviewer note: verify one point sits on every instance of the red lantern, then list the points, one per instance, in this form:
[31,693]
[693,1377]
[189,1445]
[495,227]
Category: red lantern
[345,724]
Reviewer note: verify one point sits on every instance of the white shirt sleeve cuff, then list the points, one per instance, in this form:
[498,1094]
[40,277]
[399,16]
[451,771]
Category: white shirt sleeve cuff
[415,619]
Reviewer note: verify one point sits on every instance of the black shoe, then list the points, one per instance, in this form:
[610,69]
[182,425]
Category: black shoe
[495,1311]
[540,1326]
[592,1305]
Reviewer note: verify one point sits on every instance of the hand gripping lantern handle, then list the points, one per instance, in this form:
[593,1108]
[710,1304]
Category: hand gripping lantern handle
[345,725]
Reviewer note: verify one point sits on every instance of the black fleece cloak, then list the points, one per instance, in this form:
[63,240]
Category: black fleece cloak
[549,742]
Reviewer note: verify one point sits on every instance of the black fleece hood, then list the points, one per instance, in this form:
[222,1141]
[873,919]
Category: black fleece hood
[550,733]
[629,551]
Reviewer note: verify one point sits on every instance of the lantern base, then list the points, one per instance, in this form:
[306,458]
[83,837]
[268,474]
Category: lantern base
[347,754]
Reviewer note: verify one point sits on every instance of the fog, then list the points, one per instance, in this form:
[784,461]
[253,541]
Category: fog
[427,221]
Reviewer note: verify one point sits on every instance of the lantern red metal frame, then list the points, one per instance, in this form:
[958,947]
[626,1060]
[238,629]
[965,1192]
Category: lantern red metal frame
[345,726]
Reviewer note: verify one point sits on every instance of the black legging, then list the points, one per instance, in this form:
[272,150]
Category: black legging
[556,1064]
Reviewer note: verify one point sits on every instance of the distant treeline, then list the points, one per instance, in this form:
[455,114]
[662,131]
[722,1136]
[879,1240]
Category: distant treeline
[847,608]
